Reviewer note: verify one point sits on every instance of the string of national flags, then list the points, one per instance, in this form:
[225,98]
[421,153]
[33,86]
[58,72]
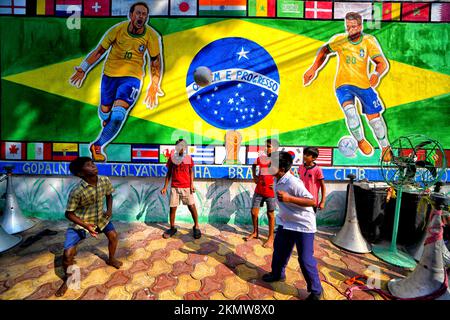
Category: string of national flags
[320,10]
[142,153]
[149,153]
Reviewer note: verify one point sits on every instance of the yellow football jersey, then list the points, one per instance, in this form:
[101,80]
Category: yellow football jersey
[354,57]
[127,55]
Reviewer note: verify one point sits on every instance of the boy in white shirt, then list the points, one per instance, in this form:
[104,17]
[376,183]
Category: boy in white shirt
[296,222]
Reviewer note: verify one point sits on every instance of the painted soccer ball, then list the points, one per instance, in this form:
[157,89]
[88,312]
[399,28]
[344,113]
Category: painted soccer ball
[348,146]
[203,76]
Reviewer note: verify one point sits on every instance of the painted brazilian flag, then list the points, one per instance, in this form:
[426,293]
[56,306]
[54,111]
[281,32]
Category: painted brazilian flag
[39,104]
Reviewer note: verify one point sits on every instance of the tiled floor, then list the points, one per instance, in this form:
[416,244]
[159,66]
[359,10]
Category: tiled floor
[220,265]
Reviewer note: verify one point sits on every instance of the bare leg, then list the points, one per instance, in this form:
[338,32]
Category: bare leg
[112,246]
[68,260]
[255,233]
[173,210]
[194,214]
[271,218]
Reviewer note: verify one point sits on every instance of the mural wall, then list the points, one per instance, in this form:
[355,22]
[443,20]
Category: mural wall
[140,200]
[113,81]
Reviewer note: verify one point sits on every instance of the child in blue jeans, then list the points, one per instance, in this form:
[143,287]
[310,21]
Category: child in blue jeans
[296,222]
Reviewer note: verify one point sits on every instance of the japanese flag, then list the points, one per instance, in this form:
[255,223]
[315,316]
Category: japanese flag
[183,8]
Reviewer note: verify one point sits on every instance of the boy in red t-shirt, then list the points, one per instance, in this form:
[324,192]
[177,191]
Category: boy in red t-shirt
[264,193]
[180,171]
[312,176]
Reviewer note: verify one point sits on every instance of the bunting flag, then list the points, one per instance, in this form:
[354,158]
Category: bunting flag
[261,8]
[440,12]
[183,7]
[202,154]
[419,11]
[319,10]
[363,8]
[222,7]
[253,153]
[290,9]
[325,157]
[45,7]
[144,153]
[165,151]
[420,154]
[96,8]
[387,11]
[295,152]
[156,7]
[65,151]
[13,7]
[13,151]
[39,151]
[220,155]
[65,8]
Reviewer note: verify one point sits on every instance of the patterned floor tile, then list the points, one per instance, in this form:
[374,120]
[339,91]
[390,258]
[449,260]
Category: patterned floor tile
[118,293]
[260,251]
[156,244]
[94,293]
[223,250]
[138,254]
[159,267]
[233,260]
[217,296]
[164,282]
[260,290]
[96,277]
[190,247]
[330,293]
[235,240]
[181,267]
[246,273]
[44,291]
[19,291]
[203,270]
[194,258]
[252,260]
[49,276]
[193,296]
[186,284]
[292,276]
[211,285]
[138,266]
[175,256]
[215,259]
[139,281]
[220,265]
[144,294]
[118,278]
[158,254]
[208,247]
[334,262]
[284,291]
[234,287]
[168,295]
[40,259]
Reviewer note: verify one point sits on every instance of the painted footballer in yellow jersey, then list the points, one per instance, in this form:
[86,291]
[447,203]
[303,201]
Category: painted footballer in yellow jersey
[356,52]
[126,46]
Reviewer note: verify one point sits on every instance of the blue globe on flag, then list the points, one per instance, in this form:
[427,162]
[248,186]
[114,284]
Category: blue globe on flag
[245,83]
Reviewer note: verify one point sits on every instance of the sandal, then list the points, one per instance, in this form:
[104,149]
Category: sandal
[169,233]
[197,233]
